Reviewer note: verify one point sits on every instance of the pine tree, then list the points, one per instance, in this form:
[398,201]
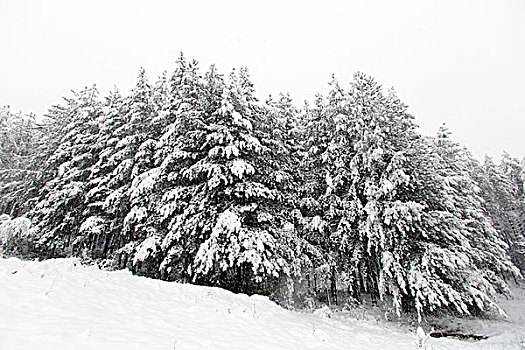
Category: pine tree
[503,194]
[514,206]
[59,212]
[21,138]
[317,128]
[246,248]
[365,181]
[463,261]
[96,227]
[128,156]
[179,147]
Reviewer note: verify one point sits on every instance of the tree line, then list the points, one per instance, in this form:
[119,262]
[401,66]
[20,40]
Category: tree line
[193,179]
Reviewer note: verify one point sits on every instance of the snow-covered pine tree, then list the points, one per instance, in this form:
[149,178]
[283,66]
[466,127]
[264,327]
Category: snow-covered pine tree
[461,261]
[317,128]
[95,231]
[16,138]
[20,141]
[130,206]
[59,212]
[502,190]
[176,237]
[154,172]
[514,171]
[229,208]
[125,130]
[126,157]
[290,134]
[365,177]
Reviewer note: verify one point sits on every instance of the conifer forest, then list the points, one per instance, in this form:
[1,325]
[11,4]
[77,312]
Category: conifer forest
[192,178]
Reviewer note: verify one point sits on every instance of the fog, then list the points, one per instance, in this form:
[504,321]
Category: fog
[453,62]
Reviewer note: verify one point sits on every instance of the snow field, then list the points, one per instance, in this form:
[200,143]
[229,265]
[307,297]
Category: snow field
[60,304]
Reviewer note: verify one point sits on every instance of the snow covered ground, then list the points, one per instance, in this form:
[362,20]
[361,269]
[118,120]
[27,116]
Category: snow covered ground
[60,304]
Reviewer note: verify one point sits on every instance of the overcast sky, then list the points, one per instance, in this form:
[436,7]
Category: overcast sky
[453,61]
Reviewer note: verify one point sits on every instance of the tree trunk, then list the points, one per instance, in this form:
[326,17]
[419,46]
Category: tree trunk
[333,284]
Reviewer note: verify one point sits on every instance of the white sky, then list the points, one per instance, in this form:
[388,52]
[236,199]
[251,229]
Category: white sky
[456,61]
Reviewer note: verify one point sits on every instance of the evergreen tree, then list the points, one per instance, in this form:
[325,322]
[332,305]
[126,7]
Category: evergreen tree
[96,228]
[247,247]
[514,206]
[462,260]
[179,148]
[59,212]
[21,138]
[502,190]
[366,179]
